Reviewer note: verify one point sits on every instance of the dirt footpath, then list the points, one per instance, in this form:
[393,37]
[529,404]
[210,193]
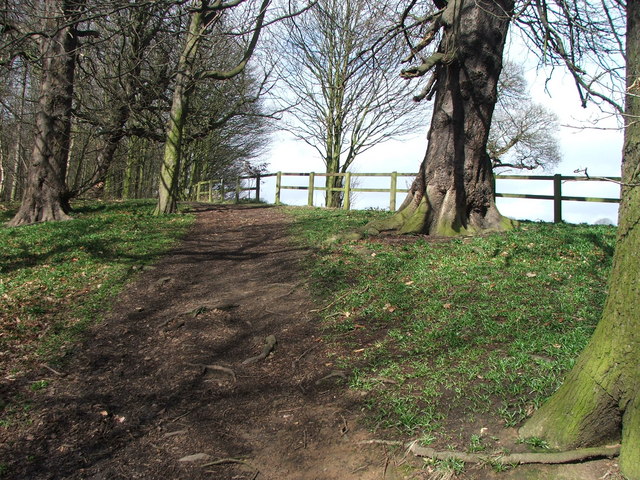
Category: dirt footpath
[160,390]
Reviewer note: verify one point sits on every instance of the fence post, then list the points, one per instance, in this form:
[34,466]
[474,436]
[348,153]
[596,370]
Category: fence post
[312,181]
[557,198]
[493,186]
[222,192]
[347,191]
[238,190]
[278,185]
[393,188]
[258,187]
[210,188]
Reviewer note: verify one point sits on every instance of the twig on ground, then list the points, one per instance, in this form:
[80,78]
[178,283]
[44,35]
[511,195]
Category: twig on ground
[184,414]
[318,310]
[345,427]
[173,434]
[223,461]
[294,364]
[55,372]
[384,380]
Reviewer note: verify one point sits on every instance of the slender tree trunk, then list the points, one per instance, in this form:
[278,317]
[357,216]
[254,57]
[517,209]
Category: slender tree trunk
[599,401]
[2,174]
[129,172]
[13,161]
[170,170]
[110,142]
[44,198]
[333,199]
[453,193]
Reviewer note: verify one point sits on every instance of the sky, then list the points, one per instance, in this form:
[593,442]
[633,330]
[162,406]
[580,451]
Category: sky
[597,149]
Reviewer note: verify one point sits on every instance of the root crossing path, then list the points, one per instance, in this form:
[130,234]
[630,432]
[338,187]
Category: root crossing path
[159,389]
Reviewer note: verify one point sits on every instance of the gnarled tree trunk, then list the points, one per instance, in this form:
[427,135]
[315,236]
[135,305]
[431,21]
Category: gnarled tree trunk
[599,401]
[453,192]
[45,194]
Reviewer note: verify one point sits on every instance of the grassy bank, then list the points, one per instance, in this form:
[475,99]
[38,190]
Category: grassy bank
[446,337]
[58,278]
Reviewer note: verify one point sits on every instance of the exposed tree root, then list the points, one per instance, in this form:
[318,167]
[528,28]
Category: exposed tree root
[570,456]
[223,461]
[269,344]
[336,373]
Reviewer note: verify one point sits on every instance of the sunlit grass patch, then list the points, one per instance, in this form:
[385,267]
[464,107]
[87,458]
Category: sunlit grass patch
[56,278]
[438,332]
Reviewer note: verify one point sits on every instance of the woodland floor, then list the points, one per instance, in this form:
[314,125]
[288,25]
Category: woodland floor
[135,401]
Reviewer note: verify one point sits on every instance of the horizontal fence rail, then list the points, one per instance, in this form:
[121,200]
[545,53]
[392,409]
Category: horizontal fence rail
[216,190]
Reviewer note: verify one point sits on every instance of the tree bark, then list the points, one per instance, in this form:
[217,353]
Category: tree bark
[333,198]
[44,198]
[170,170]
[599,400]
[453,193]
[14,159]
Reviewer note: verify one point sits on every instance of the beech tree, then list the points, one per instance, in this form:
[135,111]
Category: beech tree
[342,86]
[44,197]
[453,192]
[123,78]
[459,47]
[228,131]
[599,401]
[15,129]
[205,18]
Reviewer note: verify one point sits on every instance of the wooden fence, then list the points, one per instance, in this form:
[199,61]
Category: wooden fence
[216,190]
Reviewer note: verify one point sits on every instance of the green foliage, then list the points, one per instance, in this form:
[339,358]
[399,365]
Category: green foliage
[481,326]
[57,278]
[453,465]
[535,442]
[39,385]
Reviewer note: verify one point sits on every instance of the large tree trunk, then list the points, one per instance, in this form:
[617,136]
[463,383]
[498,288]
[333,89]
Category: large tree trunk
[44,198]
[599,401]
[453,193]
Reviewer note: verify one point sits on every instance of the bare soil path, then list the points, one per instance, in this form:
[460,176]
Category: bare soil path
[138,402]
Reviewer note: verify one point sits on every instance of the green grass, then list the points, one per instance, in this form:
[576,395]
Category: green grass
[442,333]
[58,278]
